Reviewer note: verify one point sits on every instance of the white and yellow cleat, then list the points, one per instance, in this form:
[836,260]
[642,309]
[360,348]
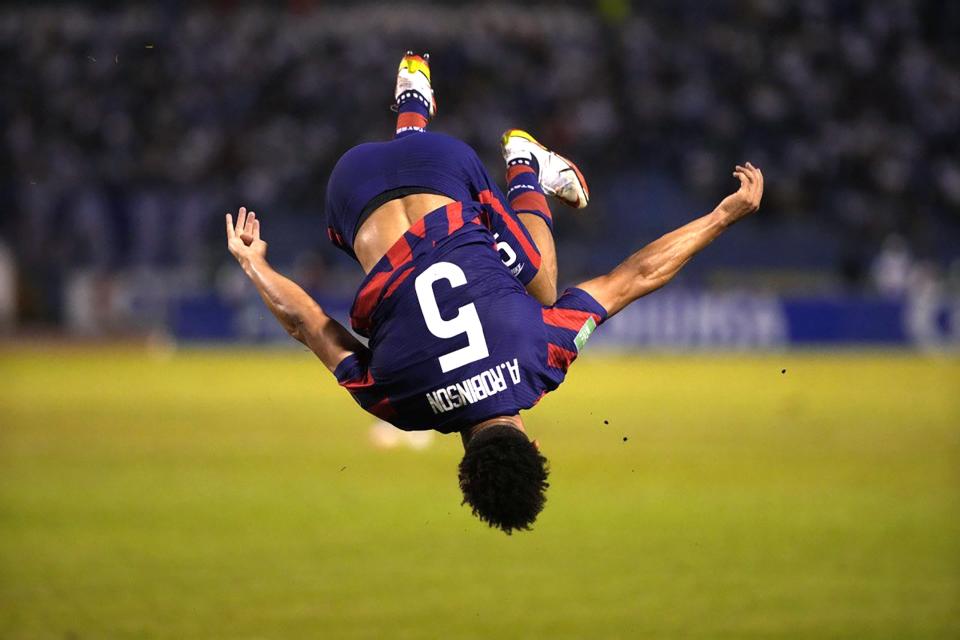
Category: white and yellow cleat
[414,76]
[558,176]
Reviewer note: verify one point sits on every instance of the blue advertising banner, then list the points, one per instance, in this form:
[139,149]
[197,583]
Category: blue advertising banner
[669,320]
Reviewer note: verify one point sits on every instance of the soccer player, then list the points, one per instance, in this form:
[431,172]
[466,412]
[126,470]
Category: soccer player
[459,304]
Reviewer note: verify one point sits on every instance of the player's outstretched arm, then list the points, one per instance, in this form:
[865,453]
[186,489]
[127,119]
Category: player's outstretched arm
[299,314]
[657,263]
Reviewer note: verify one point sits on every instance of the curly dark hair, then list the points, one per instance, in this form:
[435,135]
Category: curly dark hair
[504,478]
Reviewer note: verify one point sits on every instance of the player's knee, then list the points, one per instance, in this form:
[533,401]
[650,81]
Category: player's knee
[544,288]
[504,478]
[552,283]
[549,297]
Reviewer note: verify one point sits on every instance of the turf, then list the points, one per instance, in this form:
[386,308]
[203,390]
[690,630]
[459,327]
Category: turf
[227,494]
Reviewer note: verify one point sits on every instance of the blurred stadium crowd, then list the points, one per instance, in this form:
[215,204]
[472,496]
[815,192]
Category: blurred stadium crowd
[128,132]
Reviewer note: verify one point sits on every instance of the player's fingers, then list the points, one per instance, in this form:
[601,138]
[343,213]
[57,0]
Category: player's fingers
[757,176]
[248,223]
[230,232]
[756,190]
[241,218]
[741,175]
[256,229]
[756,184]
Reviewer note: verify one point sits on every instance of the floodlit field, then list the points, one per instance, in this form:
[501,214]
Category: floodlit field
[228,494]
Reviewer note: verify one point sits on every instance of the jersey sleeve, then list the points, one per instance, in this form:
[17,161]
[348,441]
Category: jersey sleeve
[568,325]
[353,374]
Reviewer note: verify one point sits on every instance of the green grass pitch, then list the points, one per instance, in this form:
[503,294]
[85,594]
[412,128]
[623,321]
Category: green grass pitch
[234,494]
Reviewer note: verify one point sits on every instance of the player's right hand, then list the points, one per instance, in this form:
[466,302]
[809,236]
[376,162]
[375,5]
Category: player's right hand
[747,198]
[243,239]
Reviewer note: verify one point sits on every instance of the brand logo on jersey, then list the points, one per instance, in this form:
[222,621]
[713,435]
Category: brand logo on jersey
[475,388]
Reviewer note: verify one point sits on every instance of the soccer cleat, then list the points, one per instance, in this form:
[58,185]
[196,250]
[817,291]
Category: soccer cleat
[414,76]
[558,176]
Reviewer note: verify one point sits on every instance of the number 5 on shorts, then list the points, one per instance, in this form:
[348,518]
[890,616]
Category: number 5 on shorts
[466,321]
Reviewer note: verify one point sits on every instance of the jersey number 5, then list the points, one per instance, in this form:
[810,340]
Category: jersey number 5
[466,321]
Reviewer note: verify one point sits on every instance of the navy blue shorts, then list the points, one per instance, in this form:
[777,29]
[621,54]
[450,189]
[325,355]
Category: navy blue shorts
[432,163]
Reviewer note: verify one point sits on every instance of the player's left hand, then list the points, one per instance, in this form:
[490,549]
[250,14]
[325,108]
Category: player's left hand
[243,239]
[747,198]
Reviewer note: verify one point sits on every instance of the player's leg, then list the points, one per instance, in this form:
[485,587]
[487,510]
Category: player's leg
[525,196]
[533,171]
[414,100]
[543,287]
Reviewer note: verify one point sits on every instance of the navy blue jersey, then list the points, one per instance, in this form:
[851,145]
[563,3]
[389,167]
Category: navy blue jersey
[454,339]
[434,162]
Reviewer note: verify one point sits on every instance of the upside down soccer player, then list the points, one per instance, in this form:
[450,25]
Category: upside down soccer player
[459,302]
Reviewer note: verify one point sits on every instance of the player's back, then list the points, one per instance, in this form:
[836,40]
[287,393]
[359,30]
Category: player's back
[454,337]
[457,340]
